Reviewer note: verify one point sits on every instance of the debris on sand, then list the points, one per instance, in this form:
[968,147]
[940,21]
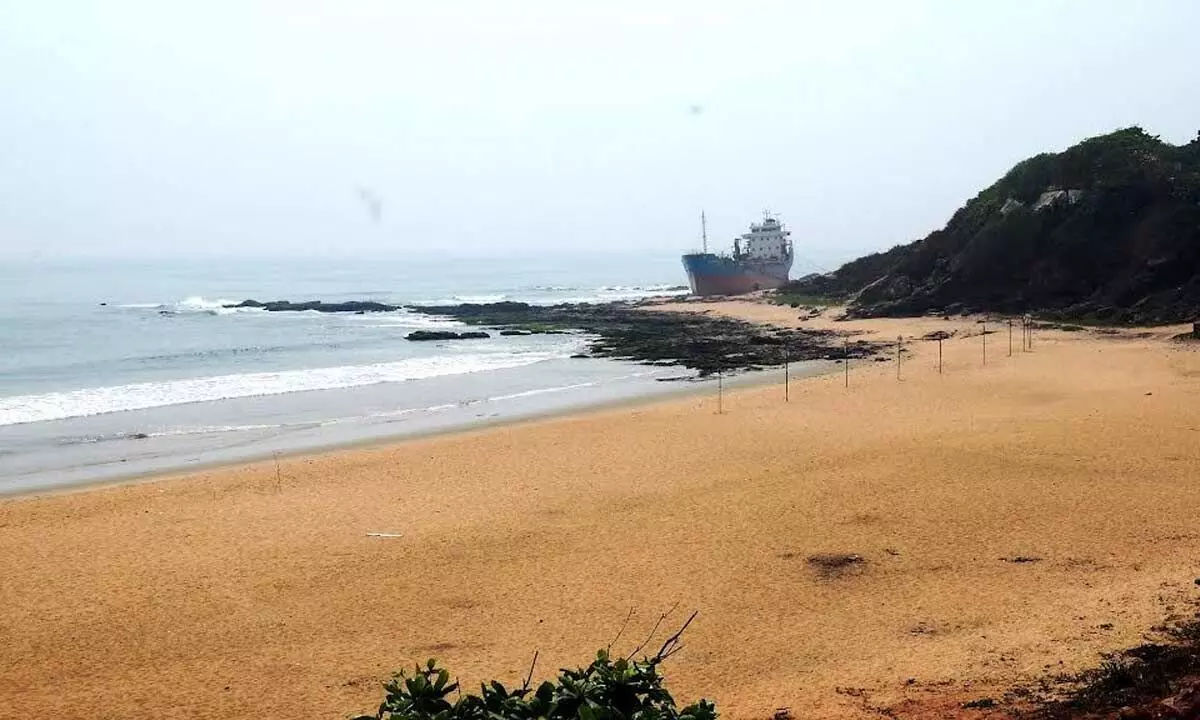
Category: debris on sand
[1021,559]
[832,565]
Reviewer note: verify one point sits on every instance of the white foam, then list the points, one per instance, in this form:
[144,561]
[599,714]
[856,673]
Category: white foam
[139,396]
[194,304]
[409,319]
[542,391]
[480,299]
[199,304]
[209,429]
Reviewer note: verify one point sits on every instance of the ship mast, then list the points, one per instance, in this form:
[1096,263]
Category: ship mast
[704,231]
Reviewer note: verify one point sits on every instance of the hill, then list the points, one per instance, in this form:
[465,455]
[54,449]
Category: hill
[1107,231]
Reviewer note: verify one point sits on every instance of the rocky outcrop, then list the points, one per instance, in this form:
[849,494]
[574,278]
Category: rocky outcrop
[353,306]
[423,335]
[1054,197]
[703,343]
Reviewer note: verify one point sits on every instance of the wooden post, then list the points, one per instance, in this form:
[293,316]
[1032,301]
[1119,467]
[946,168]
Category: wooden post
[846,361]
[899,342]
[720,391]
[1010,337]
[787,385]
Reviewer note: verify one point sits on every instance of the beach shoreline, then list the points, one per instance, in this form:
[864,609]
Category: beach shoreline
[1015,520]
[536,360]
[672,390]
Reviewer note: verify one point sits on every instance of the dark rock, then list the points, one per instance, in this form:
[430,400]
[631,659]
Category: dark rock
[1185,703]
[981,703]
[705,343]
[352,306]
[421,335]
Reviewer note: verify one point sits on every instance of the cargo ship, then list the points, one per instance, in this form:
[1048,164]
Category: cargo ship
[761,260]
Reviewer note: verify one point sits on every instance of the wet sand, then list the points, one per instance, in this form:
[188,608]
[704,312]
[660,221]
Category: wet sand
[1016,519]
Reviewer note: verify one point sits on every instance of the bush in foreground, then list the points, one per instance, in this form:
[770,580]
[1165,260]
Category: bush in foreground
[608,689]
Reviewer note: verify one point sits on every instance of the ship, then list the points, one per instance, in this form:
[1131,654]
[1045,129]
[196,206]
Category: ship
[761,260]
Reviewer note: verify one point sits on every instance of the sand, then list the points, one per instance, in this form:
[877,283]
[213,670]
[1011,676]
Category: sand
[232,593]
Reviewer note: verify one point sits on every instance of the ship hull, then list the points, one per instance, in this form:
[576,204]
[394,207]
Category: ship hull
[710,274]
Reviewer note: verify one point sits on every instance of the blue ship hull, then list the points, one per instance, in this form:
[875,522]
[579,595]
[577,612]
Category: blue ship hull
[710,274]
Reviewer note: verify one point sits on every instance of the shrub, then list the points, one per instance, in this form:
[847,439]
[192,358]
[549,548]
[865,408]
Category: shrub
[608,689]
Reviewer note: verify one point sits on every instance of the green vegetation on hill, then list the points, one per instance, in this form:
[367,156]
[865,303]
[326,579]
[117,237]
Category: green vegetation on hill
[1106,231]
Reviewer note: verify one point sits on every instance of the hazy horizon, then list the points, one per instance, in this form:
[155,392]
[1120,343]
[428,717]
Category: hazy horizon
[381,129]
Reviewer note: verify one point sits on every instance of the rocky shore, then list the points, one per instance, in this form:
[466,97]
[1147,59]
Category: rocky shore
[700,342]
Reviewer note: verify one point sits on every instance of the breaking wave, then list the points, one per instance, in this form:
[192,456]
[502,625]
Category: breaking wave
[139,396]
[194,304]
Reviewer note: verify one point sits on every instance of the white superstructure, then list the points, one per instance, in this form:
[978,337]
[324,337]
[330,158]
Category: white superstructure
[767,241]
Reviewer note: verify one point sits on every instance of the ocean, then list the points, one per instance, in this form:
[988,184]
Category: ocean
[118,368]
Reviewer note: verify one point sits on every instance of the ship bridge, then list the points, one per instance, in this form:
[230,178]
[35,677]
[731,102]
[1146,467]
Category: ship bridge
[767,240]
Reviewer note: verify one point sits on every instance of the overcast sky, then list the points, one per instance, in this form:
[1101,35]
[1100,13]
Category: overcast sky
[255,128]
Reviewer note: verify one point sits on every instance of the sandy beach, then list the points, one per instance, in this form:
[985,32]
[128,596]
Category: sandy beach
[1015,519]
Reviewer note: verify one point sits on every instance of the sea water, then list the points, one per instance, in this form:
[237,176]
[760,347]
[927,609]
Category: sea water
[112,368]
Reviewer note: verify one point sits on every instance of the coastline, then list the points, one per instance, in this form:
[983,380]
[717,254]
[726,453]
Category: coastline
[1015,520]
[546,358]
[671,391]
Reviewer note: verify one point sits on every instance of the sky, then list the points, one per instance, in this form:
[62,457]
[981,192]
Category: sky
[399,128]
